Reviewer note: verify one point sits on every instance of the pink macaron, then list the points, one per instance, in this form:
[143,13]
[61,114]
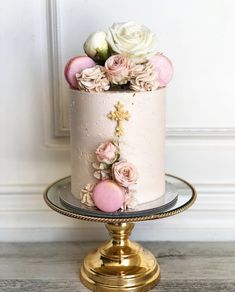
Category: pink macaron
[163,67]
[76,65]
[108,196]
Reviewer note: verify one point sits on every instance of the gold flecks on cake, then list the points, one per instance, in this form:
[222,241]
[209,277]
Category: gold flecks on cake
[119,115]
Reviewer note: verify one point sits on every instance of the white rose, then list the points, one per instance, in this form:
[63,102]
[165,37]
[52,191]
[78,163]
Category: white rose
[96,46]
[132,40]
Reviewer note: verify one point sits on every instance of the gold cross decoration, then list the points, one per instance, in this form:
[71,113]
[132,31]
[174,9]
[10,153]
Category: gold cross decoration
[119,115]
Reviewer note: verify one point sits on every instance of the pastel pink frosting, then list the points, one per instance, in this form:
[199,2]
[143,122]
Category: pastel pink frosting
[144,77]
[108,196]
[93,79]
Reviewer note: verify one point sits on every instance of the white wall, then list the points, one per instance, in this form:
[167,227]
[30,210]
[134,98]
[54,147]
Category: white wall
[36,39]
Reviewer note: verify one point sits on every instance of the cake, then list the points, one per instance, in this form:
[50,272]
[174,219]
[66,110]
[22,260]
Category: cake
[117,118]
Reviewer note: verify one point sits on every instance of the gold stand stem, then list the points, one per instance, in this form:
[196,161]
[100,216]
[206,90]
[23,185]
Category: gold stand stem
[120,264]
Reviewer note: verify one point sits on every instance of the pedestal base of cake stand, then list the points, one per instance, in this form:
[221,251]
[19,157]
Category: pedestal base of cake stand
[120,264]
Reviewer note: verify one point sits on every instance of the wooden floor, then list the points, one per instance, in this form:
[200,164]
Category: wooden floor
[50,267]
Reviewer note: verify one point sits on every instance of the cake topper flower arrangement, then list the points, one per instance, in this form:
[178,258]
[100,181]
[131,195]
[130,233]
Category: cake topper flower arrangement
[124,57]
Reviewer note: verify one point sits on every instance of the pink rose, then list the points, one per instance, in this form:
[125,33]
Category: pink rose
[107,153]
[117,69]
[124,173]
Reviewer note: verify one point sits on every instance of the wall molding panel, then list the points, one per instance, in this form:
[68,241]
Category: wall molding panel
[53,27]
[200,132]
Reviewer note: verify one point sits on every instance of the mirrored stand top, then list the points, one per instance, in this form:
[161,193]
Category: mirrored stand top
[179,196]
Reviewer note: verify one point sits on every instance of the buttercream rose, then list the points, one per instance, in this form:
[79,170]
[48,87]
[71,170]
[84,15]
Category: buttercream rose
[132,40]
[93,79]
[107,152]
[86,195]
[124,173]
[130,200]
[117,69]
[102,171]
[143,77]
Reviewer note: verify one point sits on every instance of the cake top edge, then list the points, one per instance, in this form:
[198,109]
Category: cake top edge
[118,91]
[124,55]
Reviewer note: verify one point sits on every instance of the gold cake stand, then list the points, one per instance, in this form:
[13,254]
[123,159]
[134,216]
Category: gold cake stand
[120,264]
